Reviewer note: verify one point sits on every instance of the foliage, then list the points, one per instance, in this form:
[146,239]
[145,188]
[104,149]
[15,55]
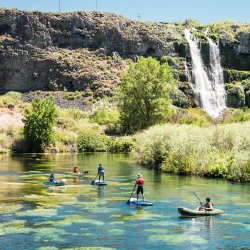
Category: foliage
[104,117]
[38,124]
[121,144]
[217,151]
[90,140]
[195,116]
[190,23]
[144,99]
[235,115]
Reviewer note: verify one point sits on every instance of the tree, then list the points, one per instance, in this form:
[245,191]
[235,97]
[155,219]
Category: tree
[38,124]
[144,99]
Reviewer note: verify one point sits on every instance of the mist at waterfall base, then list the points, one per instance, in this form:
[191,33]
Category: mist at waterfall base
[208,84]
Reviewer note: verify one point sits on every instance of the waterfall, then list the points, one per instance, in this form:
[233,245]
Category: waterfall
[209,85]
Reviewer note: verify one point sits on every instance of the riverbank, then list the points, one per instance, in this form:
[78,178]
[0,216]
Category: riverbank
[220,151]
[190,144]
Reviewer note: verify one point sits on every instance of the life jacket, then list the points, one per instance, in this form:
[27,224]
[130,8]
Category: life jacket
[140,181]
[76,171]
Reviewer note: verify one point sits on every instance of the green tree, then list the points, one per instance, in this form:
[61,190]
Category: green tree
[38,124]
[144,99]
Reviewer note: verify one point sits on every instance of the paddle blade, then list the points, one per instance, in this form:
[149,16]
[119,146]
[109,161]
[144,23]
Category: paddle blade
[93,182]
[128,201]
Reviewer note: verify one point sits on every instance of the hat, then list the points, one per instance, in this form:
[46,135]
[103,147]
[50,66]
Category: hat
[139,175]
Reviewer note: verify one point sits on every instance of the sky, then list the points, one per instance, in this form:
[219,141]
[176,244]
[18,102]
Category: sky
[204,11]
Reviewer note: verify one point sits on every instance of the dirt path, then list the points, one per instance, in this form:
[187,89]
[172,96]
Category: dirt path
[10,118]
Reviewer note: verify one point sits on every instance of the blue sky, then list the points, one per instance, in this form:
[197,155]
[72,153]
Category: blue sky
[205,11]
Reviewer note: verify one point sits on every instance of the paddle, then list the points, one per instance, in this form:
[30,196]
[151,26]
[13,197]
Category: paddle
[131,194]
[85,172]
[93,182]
[195,194]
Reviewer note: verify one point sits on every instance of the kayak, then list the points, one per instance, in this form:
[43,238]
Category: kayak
[100,183]
[73,174]
[186,212]
[140,202]
[54,183]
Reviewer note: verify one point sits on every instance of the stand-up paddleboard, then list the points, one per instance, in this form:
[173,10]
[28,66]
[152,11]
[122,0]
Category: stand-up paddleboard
[54,183]
[100,183]
[140,202]
[73,174]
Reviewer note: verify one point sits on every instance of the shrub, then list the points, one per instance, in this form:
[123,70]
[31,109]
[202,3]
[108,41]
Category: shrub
[38,124]
[104,117]
[217,151]
[121,144]
[90,140]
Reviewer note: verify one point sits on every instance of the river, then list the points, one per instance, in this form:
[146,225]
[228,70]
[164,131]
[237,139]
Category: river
[82,216]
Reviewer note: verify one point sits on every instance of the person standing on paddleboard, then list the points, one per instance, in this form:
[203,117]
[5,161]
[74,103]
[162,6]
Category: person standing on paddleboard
[139,183]
[101,172]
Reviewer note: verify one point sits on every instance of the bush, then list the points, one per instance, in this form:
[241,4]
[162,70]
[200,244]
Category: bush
[216,151]
[104,117]
[39,121]
[90,140]
[121,144]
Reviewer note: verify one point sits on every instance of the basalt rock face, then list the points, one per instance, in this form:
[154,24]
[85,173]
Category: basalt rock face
[89,51]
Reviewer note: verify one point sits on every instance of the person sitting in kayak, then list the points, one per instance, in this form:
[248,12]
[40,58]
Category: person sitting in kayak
[139,183]
[52,177]
[76,170]
[101,172]
[208,206]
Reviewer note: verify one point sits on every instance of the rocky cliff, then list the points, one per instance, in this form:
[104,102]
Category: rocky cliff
[88,51]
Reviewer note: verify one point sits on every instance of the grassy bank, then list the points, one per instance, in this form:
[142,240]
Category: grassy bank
[216,151]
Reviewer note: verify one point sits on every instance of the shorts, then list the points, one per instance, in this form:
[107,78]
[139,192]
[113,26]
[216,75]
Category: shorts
[101,173]
[139,189]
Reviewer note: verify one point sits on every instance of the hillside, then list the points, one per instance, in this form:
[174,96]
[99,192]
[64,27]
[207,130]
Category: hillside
[89,51]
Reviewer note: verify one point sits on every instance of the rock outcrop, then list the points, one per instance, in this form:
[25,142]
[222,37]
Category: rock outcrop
[88,51]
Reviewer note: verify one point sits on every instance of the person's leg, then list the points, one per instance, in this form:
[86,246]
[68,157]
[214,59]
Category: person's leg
[137,194]
[99,177]
[142,193]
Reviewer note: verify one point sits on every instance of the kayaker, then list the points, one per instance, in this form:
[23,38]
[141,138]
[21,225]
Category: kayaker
[52,177]
[76,170]
[208,206]
[101,172]
[139,183]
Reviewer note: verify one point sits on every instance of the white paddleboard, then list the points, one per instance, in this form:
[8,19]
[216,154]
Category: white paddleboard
[140,202]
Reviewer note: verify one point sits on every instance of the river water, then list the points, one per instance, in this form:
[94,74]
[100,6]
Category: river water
[82,216]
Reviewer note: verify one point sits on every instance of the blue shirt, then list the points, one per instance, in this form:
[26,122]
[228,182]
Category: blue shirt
[51,179]
[100,168]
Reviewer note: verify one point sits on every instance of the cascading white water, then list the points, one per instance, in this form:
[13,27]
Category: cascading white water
[211,91]
[217,74]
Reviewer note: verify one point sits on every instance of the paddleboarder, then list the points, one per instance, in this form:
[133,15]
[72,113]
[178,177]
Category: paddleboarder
[101,172]
[139,183]
[52,177]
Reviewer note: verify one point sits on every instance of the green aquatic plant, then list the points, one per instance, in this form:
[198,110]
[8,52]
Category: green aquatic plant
[177,239]
[48,200]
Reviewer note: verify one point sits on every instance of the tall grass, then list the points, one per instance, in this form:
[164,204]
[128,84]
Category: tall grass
[215,151]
